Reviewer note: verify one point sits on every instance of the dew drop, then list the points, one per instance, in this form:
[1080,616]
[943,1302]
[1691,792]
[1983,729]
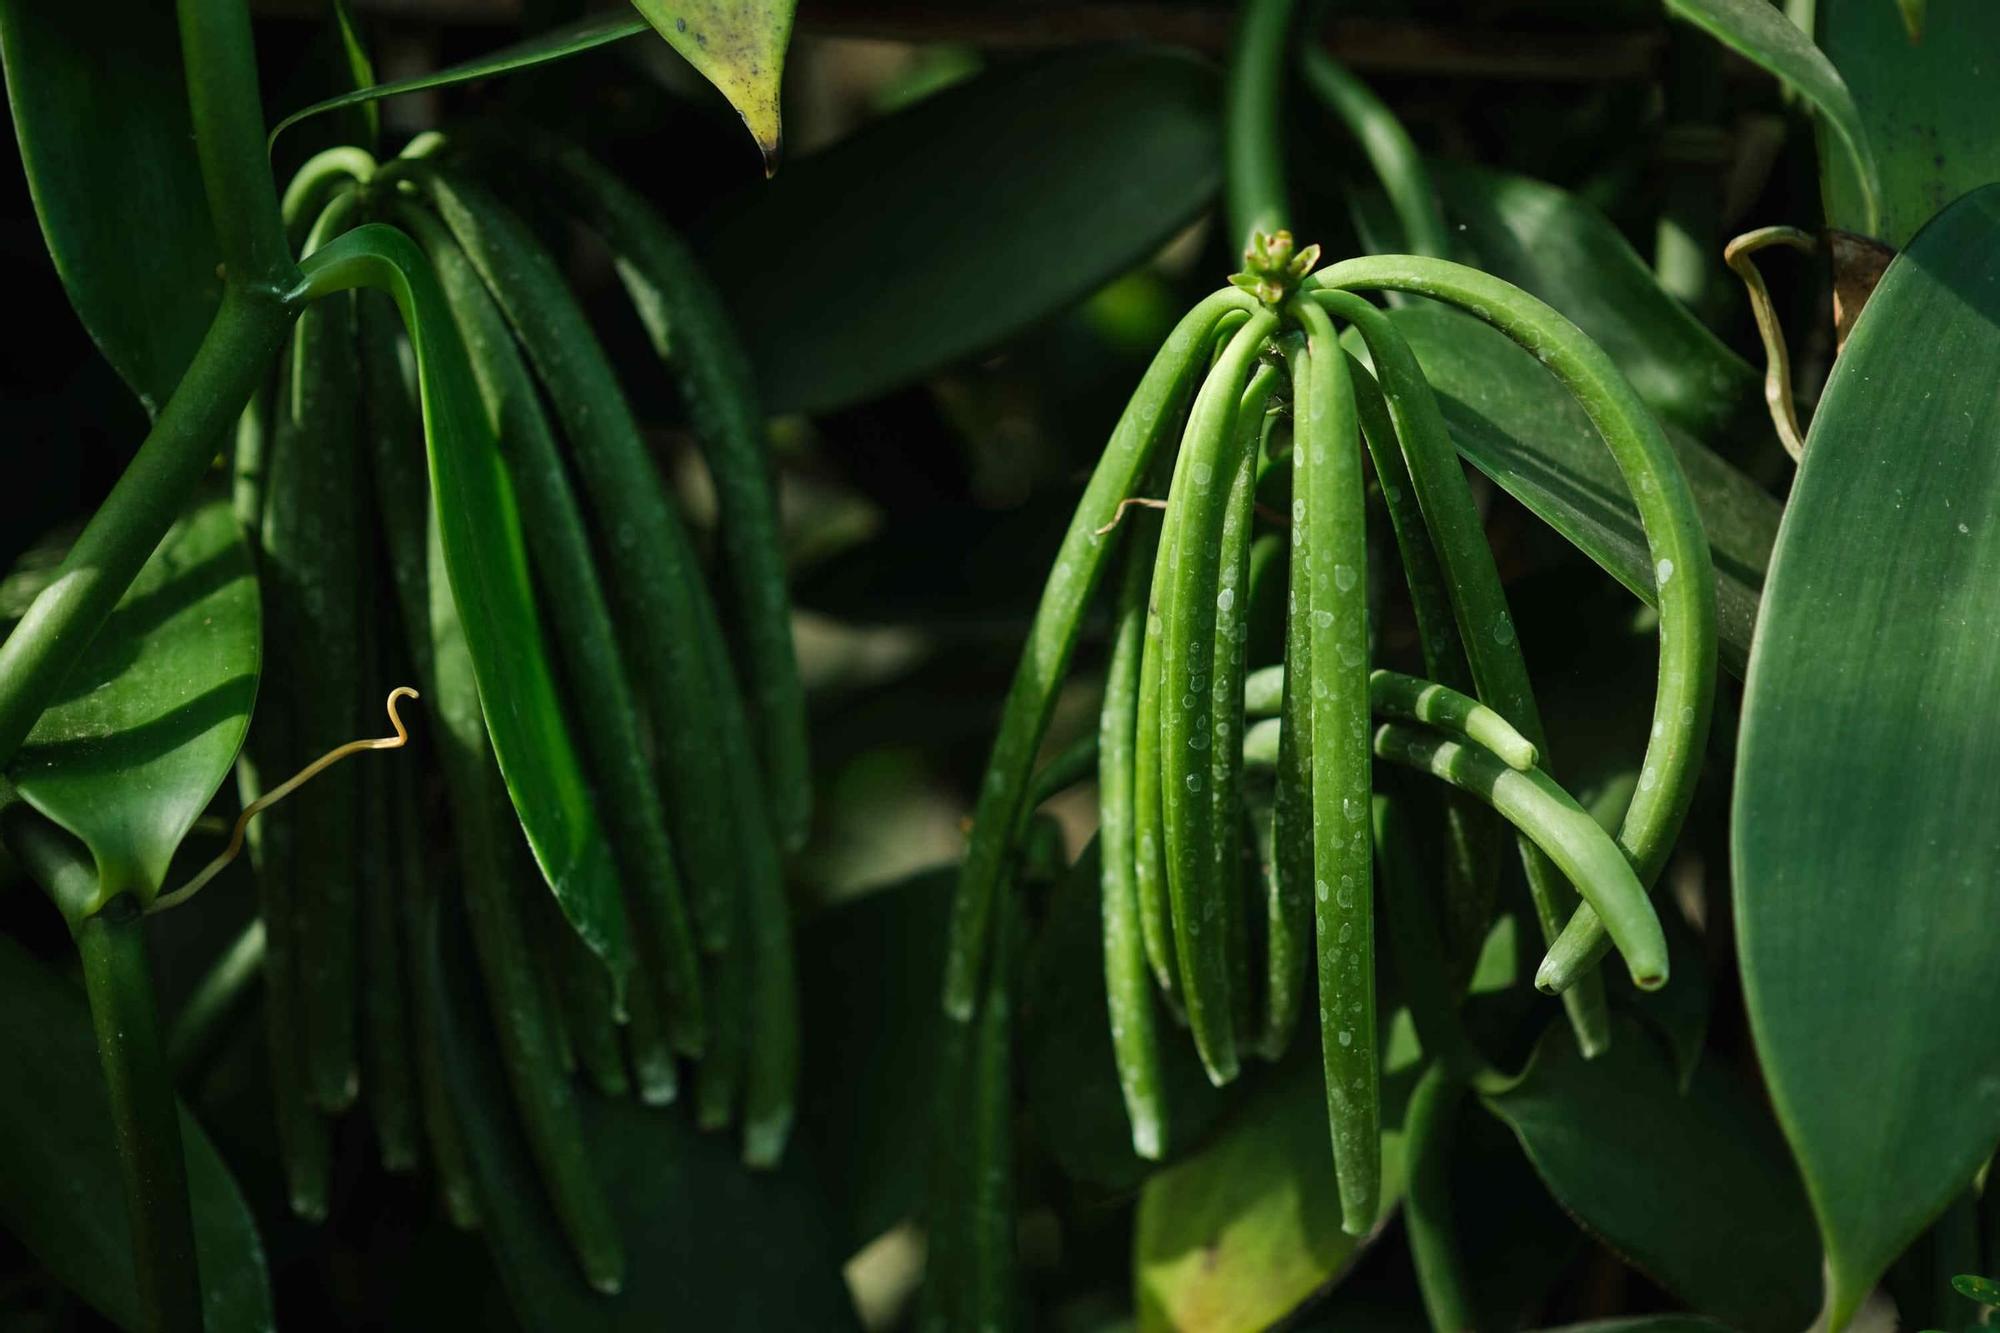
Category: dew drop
[1322,619]
[1503,631]
[1343,577]
[1225,599]
[1346,1037]
[1194,782]
[1663,571]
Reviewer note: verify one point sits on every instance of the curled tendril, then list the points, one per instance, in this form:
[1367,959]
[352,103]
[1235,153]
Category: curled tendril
[1777,360]
[284,789]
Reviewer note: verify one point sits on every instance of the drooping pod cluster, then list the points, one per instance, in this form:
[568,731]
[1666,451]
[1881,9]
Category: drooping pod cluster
[664,945]
[1258,383]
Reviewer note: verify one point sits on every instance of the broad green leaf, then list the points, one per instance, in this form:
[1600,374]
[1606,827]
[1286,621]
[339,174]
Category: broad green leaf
[941,230]
[486,560]
[151,719]
[1928,105]
[1074,1103]
[1762,34]
[1866,868]
[1516,424]
[61,1192]
[737,45]
[1693,1189]
[1238,1235]
[716,1246]
[869,972]
[114,178]
[555,44]
[1559,247]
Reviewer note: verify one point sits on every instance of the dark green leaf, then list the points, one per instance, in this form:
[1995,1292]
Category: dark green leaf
[1928,106]
[555,44]
[1694,1190]
[1867,869]
[720,1246]
[152,717]
[739,46]
[1072,1079]
[61,1191]
[1515,423]
[1032,185]
[1558,247]
[1765,35]
[869,971]
[114,178]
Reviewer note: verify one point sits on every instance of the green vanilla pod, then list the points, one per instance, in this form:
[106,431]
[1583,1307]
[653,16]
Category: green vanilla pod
[1334,556]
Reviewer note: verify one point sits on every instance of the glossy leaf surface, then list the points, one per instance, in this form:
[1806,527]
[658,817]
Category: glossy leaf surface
[1866,829]
[145,295]
[1694,1190]
[151,719]
[1516,424]
[1039,182]
[62,1195]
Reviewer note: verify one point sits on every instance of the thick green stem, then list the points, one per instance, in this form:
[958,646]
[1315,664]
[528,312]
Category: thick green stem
[1255,152]
[1390,150]
[118,977]
[221,60]
[119,538]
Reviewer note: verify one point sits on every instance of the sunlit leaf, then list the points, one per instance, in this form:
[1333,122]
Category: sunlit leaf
[1867,867]
[150,720]
[1238,1235]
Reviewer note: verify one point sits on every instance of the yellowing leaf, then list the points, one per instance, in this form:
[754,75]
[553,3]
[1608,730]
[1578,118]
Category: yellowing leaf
[739,46]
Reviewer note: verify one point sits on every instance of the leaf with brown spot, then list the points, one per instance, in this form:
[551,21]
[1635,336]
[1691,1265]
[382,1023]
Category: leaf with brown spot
[739,46]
